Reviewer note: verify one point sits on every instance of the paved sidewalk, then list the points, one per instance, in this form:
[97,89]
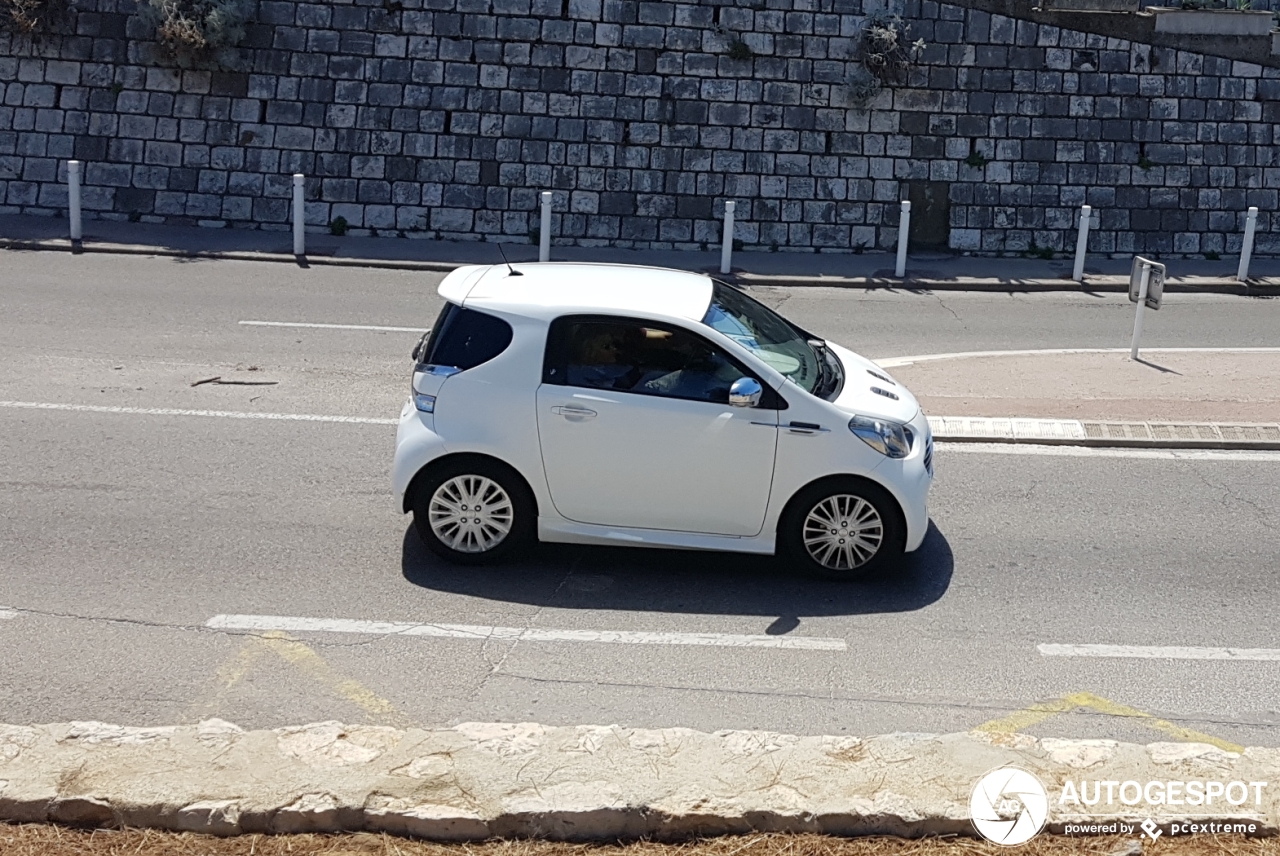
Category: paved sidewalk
[1204,398]
[931,271]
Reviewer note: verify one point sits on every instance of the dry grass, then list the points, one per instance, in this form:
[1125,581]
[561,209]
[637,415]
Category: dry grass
[40,840]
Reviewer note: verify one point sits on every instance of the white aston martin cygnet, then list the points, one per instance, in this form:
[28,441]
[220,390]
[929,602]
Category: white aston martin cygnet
[642,407]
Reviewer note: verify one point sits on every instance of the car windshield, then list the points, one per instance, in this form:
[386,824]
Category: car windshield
[774,339]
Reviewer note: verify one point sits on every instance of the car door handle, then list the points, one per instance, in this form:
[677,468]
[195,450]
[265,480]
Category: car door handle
[805,428]
[569,411]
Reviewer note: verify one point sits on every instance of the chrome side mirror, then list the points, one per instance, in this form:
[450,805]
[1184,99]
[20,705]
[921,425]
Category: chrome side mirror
[745,392]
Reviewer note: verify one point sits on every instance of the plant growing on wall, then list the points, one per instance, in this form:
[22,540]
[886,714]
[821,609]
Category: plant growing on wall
[33,19]
[194,30]
[885,53]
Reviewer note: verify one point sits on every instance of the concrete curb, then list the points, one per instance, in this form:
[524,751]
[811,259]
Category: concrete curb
[1258,287]
[483,780]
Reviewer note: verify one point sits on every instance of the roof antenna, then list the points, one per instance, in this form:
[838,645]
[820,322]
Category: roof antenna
[514,272]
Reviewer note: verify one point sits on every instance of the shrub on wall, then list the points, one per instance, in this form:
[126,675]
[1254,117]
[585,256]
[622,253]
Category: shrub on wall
[194,30]
[33,19]
[885,53]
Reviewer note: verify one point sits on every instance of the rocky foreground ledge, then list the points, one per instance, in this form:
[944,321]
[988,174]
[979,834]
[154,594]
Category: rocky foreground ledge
[485,780]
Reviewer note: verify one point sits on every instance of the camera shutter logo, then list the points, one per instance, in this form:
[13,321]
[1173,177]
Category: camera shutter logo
[1009,806]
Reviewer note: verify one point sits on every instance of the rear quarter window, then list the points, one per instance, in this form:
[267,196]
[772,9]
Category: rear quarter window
[464,338]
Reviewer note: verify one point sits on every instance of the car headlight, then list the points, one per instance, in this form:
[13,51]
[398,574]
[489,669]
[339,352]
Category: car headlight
[886,437]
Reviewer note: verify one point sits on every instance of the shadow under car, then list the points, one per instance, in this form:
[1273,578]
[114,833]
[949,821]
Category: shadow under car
[567,576]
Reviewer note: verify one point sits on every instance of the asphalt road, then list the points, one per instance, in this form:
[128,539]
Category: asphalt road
[124,533]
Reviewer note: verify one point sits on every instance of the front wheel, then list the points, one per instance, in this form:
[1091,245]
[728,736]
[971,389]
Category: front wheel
[843,529]
[473,512]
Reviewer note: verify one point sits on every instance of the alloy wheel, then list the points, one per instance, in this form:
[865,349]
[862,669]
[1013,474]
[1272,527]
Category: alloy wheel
[470,514]
[843,532]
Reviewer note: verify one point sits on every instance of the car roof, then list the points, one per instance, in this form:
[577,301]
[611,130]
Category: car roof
[549,289]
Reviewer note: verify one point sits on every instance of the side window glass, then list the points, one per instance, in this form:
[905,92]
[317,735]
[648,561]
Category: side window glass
[464,338]
[645,359]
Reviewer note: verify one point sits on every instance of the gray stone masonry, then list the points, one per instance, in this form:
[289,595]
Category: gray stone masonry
[447,118]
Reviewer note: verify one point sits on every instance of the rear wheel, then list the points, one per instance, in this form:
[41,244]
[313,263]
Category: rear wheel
[843,529]
[473,511]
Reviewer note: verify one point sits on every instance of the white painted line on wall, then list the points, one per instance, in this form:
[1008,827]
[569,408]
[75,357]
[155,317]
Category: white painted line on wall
[1159,652]
[336,326]
[898,362]
[223,414]
[477,632]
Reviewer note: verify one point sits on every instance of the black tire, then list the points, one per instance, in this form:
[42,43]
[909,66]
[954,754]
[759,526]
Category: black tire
[465,543]
[844,562]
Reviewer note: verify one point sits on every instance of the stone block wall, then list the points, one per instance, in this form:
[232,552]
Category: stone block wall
[446,118]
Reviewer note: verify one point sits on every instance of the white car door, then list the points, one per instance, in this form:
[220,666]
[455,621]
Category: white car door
[636,430]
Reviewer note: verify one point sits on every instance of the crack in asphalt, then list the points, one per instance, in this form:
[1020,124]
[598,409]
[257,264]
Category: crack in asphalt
[1229,494]
[949,309]
[267,635]
[133,622]
[496,668]
[867,699]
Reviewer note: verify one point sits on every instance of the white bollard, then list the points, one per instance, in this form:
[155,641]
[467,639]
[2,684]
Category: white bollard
[726,250]
[1143,285]
[544,233]
[299,215]
[73,199]
[904,226]
[1082,243]
[1246,249]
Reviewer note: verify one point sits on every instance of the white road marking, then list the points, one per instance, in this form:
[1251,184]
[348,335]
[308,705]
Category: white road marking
[1091,452]
[224,414]
[1160,652]
[7,613]
[520,634]
[334,326]
[898,362]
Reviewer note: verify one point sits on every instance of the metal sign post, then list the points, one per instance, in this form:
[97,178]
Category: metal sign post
[1146,288]
[1082,243]
[726,248]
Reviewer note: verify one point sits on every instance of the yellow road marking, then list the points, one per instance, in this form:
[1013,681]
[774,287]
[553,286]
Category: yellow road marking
[298,654]
[1026,717]
[228,675]
[1037,713]
[295,652]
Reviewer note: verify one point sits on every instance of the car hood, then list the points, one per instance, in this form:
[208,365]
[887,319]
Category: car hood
[857,398]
